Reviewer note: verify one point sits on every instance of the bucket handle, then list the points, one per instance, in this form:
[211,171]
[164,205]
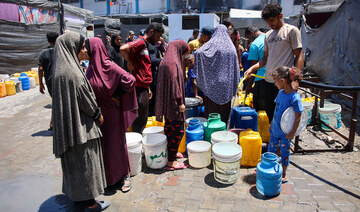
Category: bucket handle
[277,166]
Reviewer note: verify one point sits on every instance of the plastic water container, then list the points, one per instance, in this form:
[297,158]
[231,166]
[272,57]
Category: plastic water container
[223,136]
[308,107]
[25,81]
[10,88]
[153,130]
[152,122]
[134,146]
[226,162]
[18,86]
[195,131]
[199,154]
[182,145]
[244,118]
[35,75]
[193,107]
[201,119]
[4,77]
[236,131]
[331,115]
[212,125]
[247,132]
[2,89]
[32,82]
[251,145]
[17,75]
[269,175]
[155,146]
[263,126]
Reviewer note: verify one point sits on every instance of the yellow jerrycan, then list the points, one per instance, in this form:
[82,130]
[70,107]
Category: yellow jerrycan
[10,88]
[251,145]
[2,89]
[263,126]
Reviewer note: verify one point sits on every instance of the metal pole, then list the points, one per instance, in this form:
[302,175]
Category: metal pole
[107,8]
[81,4]
[137,6]
[202,6]
[240,4]
[167,6]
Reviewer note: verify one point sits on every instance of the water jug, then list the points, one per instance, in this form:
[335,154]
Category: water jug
[17,75]
[2,89]
[10,88]
[269,175]
[35,75]
[32,82]
[248,101]
[263,126]
[193,107]
[251,145]
[247,132]
[24,81]
[243,118]
[213,124]
[195,131]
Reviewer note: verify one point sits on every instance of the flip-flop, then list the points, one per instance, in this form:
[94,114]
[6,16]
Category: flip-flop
[102,205]
[179,155]
[127,185]
[179,166]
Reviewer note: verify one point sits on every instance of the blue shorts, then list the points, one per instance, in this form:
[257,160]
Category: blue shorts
[284,148]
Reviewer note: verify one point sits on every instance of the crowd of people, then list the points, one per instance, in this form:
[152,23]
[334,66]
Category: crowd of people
[125,83]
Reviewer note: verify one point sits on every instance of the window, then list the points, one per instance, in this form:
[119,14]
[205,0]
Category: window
[299,2]
[190,22]
[69,1]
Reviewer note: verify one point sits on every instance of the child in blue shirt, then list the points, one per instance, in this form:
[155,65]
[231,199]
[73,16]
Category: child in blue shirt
[287,81]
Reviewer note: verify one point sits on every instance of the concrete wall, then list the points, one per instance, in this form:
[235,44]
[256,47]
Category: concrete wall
[175,25]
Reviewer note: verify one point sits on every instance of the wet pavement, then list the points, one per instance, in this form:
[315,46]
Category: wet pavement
[31,177]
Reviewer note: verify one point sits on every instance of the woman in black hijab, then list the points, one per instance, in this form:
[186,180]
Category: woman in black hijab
[114,51]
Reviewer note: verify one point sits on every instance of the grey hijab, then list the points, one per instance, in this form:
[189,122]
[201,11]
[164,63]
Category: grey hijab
[74,103]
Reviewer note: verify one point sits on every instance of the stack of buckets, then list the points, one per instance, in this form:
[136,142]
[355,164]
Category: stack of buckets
[155,144]
[7,86]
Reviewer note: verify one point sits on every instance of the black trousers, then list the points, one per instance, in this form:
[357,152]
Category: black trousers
[142,95]
[270,92]
[259,95]
[212,107]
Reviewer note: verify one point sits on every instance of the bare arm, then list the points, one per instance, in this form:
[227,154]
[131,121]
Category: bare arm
[125,53]
[251,79]
[257,66]
[299,58]
[41,87]
[295,126]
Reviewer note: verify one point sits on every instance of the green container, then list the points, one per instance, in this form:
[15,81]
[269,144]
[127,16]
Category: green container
[212,125]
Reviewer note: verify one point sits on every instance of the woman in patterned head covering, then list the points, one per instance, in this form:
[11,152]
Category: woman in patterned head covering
[170,98]
[217,72]
[76,138]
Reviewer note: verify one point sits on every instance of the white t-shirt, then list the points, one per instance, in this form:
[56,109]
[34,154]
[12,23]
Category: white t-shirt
[280,45]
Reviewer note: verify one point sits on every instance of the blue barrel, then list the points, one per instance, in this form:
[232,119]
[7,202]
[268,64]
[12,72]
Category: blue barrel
[193,107]
[25,81]
[195,131]
[244,118]
[269,175]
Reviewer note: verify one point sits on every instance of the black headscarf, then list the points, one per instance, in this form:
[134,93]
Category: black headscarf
[113,44]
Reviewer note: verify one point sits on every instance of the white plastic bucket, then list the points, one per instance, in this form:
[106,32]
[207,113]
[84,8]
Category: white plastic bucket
[32,82]
[308,107]
[224,136]
[199,154]
[226,162]
[155,146]
[134,146]
[153,130]
[331,115]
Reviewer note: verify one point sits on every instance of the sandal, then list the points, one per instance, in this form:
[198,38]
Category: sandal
[126,186]
[179,155]
[179,166]
[102,205]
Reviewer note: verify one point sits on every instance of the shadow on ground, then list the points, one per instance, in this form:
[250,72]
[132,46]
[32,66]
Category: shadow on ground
[325,181]
[60,202]
[254,192]
[43,133]
[210,181]
[48,106]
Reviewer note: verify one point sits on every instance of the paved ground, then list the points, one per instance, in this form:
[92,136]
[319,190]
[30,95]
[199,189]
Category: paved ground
[30,176]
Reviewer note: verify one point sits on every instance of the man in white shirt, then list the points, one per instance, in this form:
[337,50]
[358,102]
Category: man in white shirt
[282,47]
